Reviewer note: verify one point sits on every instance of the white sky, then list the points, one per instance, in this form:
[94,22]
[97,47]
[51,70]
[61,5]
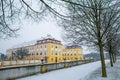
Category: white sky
[33,31]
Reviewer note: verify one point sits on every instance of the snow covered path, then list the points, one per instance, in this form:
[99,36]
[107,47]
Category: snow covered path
[72,73]
[113,73]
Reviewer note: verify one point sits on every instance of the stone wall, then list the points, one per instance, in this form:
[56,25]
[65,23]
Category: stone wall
[26,70]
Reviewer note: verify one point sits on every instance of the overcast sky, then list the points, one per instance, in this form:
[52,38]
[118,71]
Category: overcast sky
[33,31]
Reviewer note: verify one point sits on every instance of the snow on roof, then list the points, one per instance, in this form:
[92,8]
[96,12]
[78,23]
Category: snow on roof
[25,44]
[31,42]
[48,36]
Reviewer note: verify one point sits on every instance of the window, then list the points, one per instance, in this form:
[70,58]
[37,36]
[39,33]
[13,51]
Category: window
[56,47]
[52,46]
[41,46]
[51,59]
[56,53]
[45,52]
[45,46]
[37,49]
[52,53]
[37,53]
[41,53]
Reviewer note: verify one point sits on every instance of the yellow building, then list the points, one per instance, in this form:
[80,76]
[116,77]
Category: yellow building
[73,52]
[50,50]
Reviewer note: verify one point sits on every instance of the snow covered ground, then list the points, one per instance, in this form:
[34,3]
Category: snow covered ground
[73,73]
[113,73]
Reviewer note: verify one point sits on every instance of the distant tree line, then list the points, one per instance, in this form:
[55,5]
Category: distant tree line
[2,56]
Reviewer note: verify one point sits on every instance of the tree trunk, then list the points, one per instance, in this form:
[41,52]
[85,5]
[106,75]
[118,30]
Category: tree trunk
[111,59]
[113,56]
[110,54]
[104,74]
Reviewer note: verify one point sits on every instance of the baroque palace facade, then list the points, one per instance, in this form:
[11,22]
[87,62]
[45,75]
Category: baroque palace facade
[50,50]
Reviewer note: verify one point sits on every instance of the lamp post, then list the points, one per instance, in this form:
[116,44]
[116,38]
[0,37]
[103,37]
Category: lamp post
[41,60]
[64,59]
[65,63]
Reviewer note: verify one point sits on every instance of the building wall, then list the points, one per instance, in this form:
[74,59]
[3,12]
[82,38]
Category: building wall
[54,52]
[51,50]
[73,53]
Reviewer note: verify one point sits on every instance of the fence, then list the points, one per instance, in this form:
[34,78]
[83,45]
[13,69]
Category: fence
[18,62]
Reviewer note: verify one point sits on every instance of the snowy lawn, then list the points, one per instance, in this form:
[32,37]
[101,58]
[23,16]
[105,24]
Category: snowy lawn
[72,73]
[113,73]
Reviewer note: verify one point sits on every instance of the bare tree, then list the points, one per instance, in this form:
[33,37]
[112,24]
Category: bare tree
[91,22]
[112,47]
[2,56]
[13,10]
[21,53]
[116,47]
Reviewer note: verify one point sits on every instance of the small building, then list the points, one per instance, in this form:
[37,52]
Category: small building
[73,52]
